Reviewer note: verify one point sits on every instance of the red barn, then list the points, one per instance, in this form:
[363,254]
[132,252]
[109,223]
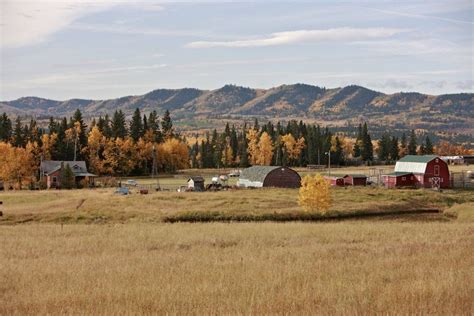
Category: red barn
[355,179]
[427,171]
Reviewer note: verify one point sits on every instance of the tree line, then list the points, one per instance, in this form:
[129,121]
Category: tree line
[147,144]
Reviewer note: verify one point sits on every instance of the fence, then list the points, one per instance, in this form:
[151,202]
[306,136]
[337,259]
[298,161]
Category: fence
[462,179]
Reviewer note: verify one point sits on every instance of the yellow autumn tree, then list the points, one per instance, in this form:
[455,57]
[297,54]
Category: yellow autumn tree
[144,153]
[16,164]
[265,150]
[252,146]
[292,146]
[96,143]
[173,155]
[48,141]
[227,154]
[315,194]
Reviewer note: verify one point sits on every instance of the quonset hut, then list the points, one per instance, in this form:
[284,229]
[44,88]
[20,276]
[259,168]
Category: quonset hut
[269,176]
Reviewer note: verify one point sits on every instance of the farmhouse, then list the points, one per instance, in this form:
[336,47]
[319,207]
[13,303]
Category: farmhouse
[420,171]
[355,179]
[196,183]
[52,170]
[269,176]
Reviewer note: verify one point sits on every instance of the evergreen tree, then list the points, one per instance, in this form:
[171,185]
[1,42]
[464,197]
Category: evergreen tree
[67,177]
[167,125]
[367,147]
[384,147]
[394,149]
[428,146]
[403,145]
[357,145]
[18,134]
[412,145]
[5,128]
[77,117]
[118,127]
[136,125]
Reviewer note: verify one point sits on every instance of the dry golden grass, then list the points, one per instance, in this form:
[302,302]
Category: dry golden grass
[102,205]
[356,267]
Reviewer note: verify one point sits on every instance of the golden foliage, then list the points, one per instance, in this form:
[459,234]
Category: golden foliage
[292,146]
[173,155]
[252,145]
[16,163]
[445,148]
[96,143]
[314,194]
[265,150]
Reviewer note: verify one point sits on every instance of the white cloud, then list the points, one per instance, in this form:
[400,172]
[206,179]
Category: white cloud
[28,22]
[290,37]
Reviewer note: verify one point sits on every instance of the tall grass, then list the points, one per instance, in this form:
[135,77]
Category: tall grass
[249,268]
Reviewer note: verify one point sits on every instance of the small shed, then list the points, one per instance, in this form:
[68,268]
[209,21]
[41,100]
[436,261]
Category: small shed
[196,183]
[269,176]
[335,181]
[355,179]
[399,179]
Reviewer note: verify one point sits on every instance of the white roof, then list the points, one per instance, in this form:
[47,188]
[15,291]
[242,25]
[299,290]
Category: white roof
[414,167]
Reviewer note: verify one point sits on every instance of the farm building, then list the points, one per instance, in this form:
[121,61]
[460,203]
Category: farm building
[269,176]
[52,170]
[335,180]
[427,171]
[355,179]
[196,183]
[399,179]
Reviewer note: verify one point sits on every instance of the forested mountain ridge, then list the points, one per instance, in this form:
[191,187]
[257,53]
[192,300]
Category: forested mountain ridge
[449,111]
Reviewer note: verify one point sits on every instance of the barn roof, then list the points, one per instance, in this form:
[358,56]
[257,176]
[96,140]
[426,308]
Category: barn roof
[414,164]
[257,173]
[418,159]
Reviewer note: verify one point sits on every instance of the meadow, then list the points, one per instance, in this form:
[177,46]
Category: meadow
[95,252]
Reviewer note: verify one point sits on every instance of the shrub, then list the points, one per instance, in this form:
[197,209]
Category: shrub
[315,195]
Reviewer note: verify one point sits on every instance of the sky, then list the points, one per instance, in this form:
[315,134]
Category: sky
[62,49]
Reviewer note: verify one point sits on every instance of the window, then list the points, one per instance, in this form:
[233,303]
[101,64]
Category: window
[55,179]
[404,178]
[436,171]
[411,177]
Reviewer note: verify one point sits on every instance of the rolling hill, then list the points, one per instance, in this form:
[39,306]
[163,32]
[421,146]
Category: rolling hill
[453,112]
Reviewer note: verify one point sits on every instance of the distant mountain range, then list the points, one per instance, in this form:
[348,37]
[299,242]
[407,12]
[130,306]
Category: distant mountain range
[449,111]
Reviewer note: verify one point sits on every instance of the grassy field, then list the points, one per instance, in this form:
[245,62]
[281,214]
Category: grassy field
[356,267]
[103,206]
[94,252]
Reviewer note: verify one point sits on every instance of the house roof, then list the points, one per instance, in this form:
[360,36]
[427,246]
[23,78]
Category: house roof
[356,175]
[414,164]
[257,173]
[398,174]
[78,167]
[196,179]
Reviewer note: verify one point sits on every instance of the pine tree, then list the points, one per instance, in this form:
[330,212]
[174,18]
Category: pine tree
[394,149]
[119,129]
[77,117]
[167,125]
[136,125]
[367,147]
[428,146]
[412,145]
[403,145]
[5,128]
[18,134]
[67,177]
[357,146]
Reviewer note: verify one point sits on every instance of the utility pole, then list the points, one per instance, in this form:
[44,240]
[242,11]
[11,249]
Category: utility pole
[329,162]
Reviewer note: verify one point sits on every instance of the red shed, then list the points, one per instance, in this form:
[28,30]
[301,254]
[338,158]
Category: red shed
[335,181]
[355,179]
[399,179]
[428,170]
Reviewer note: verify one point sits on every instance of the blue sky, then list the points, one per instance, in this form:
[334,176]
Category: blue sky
[63,49]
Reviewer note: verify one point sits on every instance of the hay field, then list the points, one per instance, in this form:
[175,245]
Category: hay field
[355,267]
[103,206]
